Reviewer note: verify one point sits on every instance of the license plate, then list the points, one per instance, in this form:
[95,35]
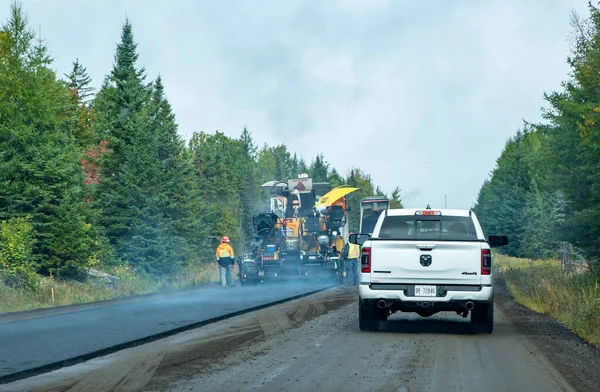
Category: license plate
[425,291]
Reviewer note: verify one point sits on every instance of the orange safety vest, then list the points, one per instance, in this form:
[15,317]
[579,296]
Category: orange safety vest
[353,251]
[224,250]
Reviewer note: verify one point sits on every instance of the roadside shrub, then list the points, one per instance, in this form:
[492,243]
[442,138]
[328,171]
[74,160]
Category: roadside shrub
[17,264]
[572,298]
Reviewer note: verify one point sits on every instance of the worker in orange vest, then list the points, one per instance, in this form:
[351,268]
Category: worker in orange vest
[225,258]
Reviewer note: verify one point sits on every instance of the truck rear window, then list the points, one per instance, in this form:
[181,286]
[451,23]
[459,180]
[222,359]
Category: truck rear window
[440,228]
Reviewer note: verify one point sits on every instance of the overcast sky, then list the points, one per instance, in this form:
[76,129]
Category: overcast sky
[420,94]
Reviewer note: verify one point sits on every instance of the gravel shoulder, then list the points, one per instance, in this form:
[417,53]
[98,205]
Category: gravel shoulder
[576,359]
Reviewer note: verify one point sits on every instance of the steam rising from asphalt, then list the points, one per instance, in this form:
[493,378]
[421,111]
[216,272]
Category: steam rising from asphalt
[36,342]
[251,293]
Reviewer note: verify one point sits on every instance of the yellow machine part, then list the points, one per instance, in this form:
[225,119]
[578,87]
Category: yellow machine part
[309,243]
[334,195]
[291,225]
[338,242]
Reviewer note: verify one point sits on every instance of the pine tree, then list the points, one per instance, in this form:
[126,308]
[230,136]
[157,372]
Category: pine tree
[80,114]
[120,101]
[219,164]
[250,194]
[40,174]
[334,178]
[249,146]
[78,82]
[319,169]
[302,166]
[396,200]
[131,191]
[575,137]
[180,196]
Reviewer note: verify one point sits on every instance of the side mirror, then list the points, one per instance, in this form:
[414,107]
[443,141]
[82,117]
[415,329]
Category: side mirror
[497,240]
[358,239]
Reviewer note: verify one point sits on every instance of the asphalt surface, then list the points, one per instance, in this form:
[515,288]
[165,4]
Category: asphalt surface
[36,342]
[410,353]
[314,344]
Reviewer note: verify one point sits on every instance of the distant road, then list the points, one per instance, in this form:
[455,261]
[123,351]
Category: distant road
[38,342]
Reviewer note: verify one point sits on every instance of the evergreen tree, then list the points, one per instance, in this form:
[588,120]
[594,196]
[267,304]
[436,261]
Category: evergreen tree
[80,115]
[146,195]
[40,174]
[179,194]
[319,169]
[302,166]
[575,137]
[220,175]
[249,193]
[335,179]
[78,82]
[249,146]
[396,200]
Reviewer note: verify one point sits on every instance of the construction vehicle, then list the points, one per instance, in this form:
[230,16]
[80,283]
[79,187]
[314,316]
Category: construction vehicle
[370,209]
[263,250]
[302,234]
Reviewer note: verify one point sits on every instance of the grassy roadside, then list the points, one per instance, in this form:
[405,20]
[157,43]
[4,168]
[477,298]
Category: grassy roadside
[72,292]
[541,285]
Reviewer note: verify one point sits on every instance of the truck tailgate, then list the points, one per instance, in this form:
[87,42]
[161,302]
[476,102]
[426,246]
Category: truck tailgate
[446,262]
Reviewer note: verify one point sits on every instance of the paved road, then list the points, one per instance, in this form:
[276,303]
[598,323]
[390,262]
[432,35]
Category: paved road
[314,344]
[37,342]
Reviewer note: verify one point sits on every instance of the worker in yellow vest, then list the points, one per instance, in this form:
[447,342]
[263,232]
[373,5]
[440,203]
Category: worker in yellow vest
[225,258]
[350,253]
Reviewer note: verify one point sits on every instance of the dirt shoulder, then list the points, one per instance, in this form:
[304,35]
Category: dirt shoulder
[576,359]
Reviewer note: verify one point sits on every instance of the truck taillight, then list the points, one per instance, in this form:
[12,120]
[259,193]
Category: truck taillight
[486,262]
[365,260]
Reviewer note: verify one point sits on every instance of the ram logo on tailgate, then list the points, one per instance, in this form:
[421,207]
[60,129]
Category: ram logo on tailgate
[425,260]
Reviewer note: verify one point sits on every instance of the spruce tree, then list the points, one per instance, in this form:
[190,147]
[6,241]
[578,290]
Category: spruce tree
[319,169]
[128,196]
[335,178]
[249,192]
[40,173]
[180,196]
[78,82]
[396,199]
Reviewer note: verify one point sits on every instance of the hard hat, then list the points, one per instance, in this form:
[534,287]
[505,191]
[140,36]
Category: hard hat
[225,239]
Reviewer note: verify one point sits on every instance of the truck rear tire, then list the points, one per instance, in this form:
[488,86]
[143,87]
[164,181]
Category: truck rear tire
[482,318]
[367,320]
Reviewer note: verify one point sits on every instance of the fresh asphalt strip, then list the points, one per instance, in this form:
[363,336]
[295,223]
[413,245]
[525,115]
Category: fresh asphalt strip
[4,379]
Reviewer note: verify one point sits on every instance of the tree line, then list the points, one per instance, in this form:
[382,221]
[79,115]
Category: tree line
[104,179]
[545,188]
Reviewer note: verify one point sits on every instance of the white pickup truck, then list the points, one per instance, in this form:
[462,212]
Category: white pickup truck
[426,261]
